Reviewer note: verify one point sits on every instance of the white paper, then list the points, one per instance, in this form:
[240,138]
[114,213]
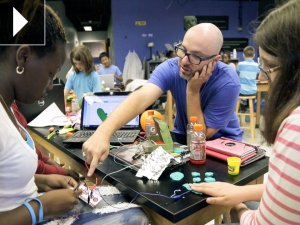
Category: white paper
[51,116]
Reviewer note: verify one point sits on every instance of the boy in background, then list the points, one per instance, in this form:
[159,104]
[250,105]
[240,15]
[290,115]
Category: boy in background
[248,71]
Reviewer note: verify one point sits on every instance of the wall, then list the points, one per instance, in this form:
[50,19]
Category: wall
[73,37]
[165,21]
[71,34]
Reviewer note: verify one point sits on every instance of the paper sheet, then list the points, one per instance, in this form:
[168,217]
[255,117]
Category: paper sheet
[51,116]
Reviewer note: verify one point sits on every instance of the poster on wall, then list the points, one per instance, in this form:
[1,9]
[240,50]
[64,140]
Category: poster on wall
[96,47]
[235,43]
[220,21]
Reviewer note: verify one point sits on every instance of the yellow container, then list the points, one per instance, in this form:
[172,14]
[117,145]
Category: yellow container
[233,165]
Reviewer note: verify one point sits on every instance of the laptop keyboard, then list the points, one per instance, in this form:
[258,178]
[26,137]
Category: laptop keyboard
[119,137]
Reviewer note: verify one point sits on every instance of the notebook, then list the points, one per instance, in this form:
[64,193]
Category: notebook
[222,148]
[245,161]
[95,110]
[231,147]
[108,80]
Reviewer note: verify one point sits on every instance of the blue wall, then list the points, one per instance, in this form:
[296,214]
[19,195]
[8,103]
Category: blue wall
[165,21]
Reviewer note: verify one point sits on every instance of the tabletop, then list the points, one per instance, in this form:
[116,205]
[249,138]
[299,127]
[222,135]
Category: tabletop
[137,188]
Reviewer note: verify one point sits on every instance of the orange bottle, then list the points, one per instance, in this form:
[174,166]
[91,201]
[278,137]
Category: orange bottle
[197,145]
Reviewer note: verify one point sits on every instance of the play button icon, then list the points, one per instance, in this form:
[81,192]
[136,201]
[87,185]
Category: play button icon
[18,21]
[22,23]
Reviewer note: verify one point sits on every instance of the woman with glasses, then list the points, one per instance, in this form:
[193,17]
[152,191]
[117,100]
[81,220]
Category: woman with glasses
[200,84]
[278,37]
[265,73]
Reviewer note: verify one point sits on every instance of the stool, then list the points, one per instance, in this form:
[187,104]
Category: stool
[251,113]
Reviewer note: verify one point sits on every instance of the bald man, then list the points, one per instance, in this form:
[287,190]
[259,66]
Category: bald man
[201,86]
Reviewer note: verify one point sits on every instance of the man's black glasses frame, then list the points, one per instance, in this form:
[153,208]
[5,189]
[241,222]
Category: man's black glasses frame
[181,52]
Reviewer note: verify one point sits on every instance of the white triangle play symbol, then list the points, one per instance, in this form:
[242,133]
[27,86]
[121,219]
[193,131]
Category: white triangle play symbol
[18,21]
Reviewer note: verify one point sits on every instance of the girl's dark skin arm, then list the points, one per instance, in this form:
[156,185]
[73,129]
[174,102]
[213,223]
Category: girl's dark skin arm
[58,199]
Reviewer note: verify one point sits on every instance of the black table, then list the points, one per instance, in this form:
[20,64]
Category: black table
[175,211]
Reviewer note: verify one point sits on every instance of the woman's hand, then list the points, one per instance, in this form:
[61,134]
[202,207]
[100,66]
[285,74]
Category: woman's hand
[50,182]
[228,194]
[58,202]
[222,193]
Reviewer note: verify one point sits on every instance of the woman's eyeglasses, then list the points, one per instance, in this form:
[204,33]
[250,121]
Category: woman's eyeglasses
[194,59]
[267,71]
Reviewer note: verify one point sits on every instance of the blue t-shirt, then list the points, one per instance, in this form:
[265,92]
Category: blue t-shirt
[82,83]
[247,71]
[218,97]
[111,70]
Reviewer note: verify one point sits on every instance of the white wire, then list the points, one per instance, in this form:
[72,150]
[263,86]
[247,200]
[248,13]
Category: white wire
[101,183]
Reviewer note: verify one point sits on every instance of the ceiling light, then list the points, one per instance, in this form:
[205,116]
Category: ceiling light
[87,28]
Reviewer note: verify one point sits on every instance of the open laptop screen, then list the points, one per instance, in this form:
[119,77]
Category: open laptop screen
[96,108]
[108,80]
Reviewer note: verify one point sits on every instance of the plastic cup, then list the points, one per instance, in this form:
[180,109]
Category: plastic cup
[233,165]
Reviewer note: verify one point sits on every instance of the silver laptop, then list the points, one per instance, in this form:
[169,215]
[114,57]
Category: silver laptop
[107,80]
[95,110]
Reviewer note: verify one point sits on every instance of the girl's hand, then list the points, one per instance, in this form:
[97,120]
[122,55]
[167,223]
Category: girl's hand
[55,181]
[221,193]
[58,202]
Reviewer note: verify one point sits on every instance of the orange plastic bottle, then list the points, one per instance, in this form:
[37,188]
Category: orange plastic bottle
[197,145]
[189,129]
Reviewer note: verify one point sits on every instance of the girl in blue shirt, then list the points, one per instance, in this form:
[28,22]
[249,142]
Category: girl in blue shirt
[83,77]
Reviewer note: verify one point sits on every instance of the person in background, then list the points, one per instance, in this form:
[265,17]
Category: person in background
[109,68]
[82,78]
[167,55]
[248,71]
[200,84]
[27,74]
[226,59]
[279,196]
[170,54]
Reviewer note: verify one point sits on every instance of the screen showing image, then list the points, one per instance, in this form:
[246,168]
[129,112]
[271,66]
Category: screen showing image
[97,108]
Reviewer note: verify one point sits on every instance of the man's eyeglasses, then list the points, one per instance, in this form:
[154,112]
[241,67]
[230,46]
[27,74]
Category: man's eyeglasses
[194,59]
[267,72]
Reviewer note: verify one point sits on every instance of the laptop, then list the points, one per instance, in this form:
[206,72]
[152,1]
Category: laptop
[31,111]
[107,80]
[95,109]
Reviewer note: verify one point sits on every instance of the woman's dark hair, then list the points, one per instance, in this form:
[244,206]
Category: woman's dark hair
[82,53]
[33,31]
[279,35]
